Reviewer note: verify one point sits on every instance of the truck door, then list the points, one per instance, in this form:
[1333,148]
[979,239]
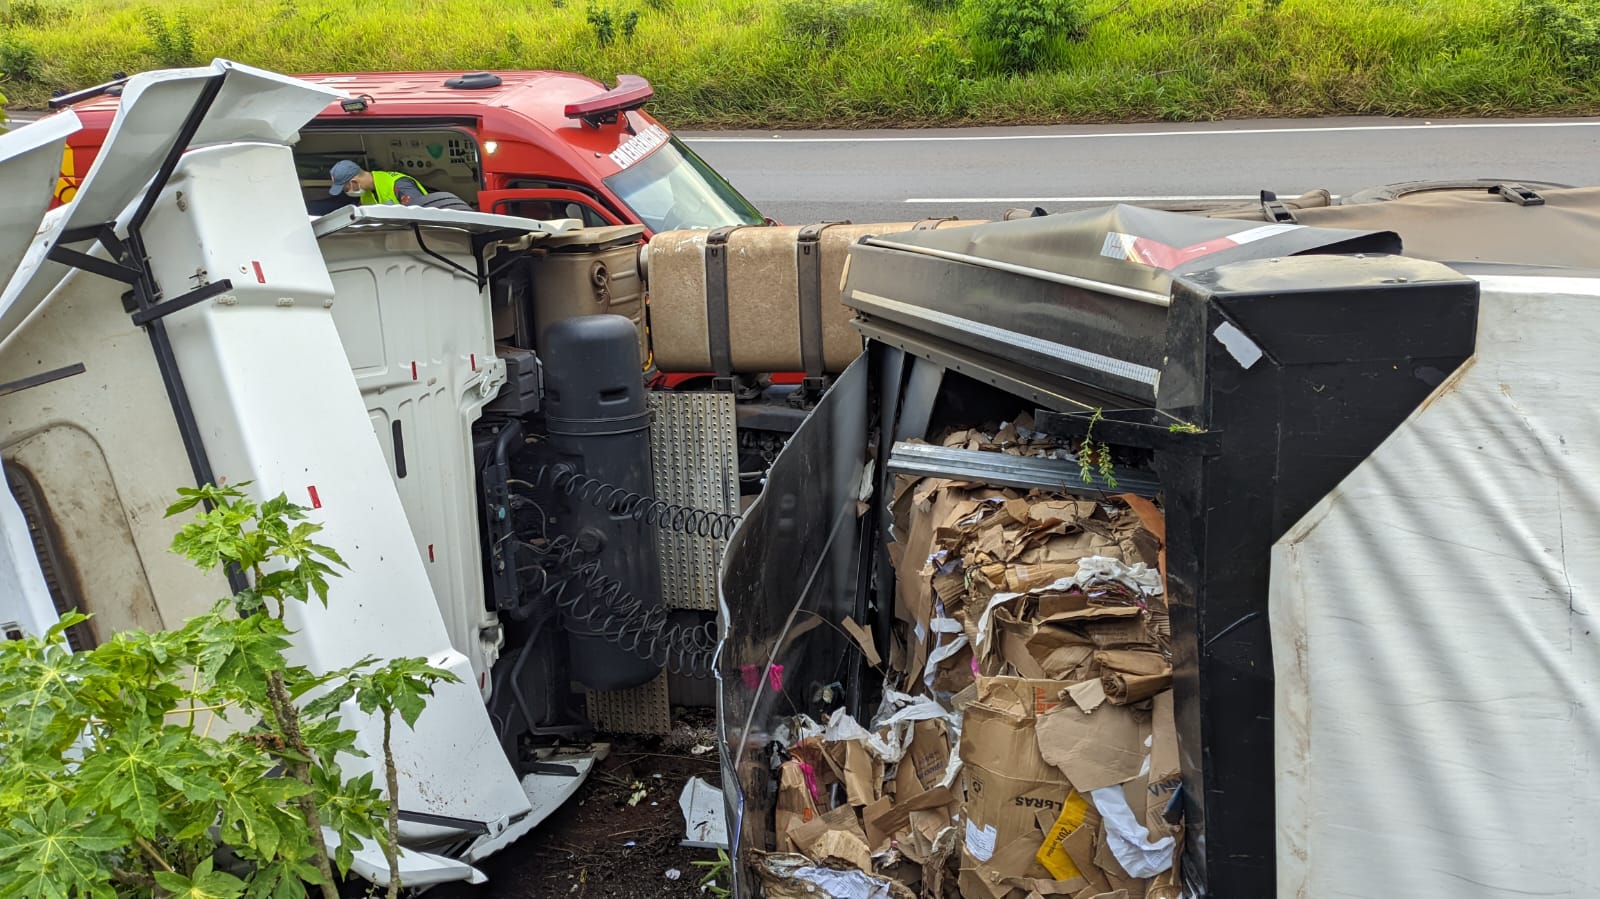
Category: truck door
[547,204]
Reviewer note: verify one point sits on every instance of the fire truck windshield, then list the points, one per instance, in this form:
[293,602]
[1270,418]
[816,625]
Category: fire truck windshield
[673,188]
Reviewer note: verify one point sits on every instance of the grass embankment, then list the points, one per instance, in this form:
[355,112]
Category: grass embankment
[770,63]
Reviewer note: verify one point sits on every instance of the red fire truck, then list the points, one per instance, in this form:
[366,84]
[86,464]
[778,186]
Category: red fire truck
[543,145]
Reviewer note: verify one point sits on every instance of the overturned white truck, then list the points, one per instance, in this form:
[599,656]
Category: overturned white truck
[176,324]
[459,398]
[1363,424]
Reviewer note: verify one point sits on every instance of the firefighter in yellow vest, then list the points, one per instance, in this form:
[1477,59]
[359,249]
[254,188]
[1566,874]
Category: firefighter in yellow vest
[375,187]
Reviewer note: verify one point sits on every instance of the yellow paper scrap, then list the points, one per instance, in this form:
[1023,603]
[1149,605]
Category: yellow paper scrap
[1055,858]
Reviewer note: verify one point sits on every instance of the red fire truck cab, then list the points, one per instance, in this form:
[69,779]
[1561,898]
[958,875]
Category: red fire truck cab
[543,145]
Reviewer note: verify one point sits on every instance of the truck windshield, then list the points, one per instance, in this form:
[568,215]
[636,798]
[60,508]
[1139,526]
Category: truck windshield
[673,188]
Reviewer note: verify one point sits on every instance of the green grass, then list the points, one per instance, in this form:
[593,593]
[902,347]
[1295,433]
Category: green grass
[789,63]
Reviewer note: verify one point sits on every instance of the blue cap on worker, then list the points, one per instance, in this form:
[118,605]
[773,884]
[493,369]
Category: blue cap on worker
[343,171]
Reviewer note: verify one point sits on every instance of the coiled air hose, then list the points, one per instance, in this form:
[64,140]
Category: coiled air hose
[566,480]
[573,582]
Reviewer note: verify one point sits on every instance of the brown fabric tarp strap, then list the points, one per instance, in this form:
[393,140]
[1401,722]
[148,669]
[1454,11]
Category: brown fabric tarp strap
[717,334]
[808,275]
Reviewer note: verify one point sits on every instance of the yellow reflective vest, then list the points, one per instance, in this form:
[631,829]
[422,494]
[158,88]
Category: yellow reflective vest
[383,188]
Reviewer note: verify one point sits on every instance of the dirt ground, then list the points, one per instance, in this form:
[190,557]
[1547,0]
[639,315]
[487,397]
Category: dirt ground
[600,845]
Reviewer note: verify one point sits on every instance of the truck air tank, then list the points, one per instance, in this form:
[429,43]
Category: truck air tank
[599,426]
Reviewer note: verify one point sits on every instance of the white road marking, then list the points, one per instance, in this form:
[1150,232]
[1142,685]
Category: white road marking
[913,138]
[1130,199]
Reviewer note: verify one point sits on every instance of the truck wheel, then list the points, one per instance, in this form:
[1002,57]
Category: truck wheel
[1386,192]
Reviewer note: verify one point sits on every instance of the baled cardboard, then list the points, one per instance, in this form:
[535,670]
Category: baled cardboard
[1151,519]
[863,638]
[1091,612]
[1079,846]
[790,876]
[928,753]
[1019,578]
[1087,695]
[794,806]
[1125,689]
[1134,661]
[1013,644]
[1129,632]
[1052,855]
[845,846]
[955,672]
[1165,772]
[860,770]
[1169,883]
[1006,781]
[1045,889]
[892,816]
[834,834]
[1001,874]
[1062,653]
[880,824]
[913,588]
[1100,749]
[1119,879]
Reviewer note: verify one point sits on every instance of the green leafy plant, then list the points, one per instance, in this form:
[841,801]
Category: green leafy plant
[603,22]
[714,871]
[608,23]
[28,13]
[825,23]
[1572,26]
[1095,456]
[116,786]
[172,43]
[399,687]
[1019,33]
[945,65]
[19,60]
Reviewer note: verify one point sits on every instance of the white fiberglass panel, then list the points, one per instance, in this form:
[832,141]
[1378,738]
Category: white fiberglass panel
[30,163]
[253,105]
[1435,649]
[419,337]
[278,406]
[24,599]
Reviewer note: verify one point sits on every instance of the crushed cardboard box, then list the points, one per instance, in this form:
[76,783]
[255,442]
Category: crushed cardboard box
[1026,746]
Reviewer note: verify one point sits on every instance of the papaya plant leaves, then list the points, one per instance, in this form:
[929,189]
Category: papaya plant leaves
[55,852]
[203,883]
[115,788]
[400,686]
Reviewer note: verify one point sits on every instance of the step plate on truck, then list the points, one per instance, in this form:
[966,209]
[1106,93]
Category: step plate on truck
[696,457]
[696,449]
[641,710]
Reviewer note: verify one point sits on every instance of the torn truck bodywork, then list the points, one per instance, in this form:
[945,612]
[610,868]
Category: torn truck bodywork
[1272,389]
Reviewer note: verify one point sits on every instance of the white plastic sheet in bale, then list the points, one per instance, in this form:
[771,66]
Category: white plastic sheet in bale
[1437,661]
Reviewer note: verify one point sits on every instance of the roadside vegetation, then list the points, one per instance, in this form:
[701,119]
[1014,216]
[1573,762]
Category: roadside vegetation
[786,63]
[198,762]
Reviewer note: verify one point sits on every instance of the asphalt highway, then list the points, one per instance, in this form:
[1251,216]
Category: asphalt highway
[870,176]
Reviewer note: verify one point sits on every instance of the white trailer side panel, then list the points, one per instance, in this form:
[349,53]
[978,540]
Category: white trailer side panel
[1436,656]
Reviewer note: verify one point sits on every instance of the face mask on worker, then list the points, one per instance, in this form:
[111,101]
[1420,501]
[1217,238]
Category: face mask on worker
[352,190]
